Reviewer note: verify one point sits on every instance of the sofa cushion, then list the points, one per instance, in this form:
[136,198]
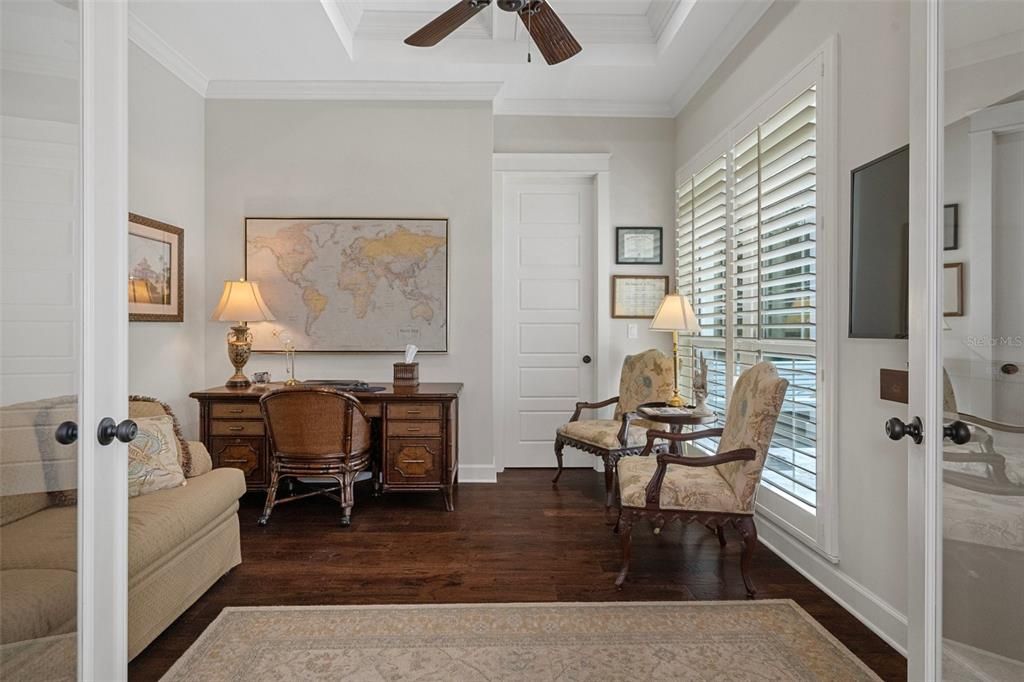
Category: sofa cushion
[47,539]
[159,523]
[37,603]
[153,457]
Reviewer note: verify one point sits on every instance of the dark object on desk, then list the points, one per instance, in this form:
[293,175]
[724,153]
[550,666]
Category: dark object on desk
[415,444]
[351,385]
[315,431]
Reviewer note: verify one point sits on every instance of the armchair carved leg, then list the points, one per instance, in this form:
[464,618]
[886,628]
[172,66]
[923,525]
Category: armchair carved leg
[347,481]
[721,536]
[559,446]
[610,463]
[625,527]
[268,507]
[748,531]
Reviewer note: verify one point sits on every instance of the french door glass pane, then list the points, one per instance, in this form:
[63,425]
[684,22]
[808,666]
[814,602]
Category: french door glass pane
[983,352]
[40,307]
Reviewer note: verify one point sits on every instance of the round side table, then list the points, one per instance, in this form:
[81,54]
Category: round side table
[675,421]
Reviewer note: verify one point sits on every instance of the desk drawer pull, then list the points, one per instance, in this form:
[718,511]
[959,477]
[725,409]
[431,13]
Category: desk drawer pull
[219,427]
[235,410]
[414,461]
[234,461]
[414,428]
[236,428]
[414,411]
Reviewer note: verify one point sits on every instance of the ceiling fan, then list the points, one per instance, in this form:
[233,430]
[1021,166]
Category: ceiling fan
[553,39]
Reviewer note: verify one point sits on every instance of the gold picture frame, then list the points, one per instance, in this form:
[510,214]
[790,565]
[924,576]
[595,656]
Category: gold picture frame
[637,297]
[156,270]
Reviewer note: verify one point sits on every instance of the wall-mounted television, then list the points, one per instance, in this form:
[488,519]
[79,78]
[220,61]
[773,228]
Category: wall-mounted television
[879,257]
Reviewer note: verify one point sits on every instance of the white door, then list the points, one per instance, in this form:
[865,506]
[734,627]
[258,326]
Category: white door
[63,339]
[966,475]
[548,312]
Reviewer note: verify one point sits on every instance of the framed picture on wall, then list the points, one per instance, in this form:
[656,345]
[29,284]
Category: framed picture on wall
[638,246]
[637,296]
[951,227]
[156,271]
[953,290]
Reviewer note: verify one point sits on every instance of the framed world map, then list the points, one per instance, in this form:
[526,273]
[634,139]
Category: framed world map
[340,285]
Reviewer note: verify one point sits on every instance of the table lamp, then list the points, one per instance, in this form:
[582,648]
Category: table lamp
[675,314]
[240,301]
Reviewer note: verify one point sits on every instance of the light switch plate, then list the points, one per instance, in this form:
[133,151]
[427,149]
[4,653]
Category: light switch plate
[631,331]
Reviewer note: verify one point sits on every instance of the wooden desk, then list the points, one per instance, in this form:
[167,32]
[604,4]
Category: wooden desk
[416,430]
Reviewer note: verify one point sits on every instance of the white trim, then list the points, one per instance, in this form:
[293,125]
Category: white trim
[336,15]
[595,166]
[982,51]
[150,42]
[877,614]
[583,107]
[1001,118]
[354,90]
[103,473]
[478,473]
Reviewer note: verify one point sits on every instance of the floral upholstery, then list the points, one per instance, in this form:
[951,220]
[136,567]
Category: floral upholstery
[604,433]
[750,423]
[646,377]
[690,488]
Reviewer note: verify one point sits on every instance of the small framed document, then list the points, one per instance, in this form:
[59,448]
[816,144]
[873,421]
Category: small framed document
[638,246]
[637,296]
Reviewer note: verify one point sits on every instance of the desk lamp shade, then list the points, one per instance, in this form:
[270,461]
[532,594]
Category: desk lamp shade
[675,314]
[242,302]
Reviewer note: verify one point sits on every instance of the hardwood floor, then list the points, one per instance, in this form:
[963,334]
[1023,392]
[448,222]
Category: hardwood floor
[518,541]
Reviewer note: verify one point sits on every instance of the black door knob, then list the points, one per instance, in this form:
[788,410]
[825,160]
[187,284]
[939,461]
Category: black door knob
[586,359]
[108,430]
[896,429]
[66,433]
[958,432]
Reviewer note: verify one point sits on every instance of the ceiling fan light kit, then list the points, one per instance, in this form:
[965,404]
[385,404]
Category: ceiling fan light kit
[552,37]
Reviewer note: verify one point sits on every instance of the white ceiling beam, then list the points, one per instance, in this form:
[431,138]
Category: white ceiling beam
[344,17]
[675,22]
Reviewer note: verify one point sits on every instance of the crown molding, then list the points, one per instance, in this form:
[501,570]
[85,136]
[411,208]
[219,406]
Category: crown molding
[152,44]
[354,90]
[985,50]
[583,107]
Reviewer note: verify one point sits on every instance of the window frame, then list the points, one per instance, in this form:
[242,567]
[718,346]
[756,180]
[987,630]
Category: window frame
[818,529]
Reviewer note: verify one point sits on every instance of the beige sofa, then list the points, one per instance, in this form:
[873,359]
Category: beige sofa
[180,541]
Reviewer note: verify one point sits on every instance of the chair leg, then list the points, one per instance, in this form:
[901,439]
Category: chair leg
[748,531]
[271,496]
[559,445]
[721,536]
[625,527]
[609,481]
[347,482]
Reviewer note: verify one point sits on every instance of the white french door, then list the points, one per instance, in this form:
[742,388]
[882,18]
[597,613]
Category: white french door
[547,311]
[966,472]
[63,339]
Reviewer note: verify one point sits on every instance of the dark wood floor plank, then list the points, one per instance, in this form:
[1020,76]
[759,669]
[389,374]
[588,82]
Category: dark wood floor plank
[518,541]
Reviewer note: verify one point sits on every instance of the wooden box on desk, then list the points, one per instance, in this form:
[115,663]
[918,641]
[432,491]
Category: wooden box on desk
[415,427]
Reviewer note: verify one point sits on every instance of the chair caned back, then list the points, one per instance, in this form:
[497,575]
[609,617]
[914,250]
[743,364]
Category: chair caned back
[307,423]
[754,409]
[646,377]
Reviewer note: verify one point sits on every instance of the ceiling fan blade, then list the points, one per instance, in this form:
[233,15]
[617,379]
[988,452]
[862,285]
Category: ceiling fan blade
[444,25]
[553,39]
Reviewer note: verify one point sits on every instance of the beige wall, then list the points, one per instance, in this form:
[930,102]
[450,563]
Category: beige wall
[873,110]
[166,162]
[338,159]
[641,192]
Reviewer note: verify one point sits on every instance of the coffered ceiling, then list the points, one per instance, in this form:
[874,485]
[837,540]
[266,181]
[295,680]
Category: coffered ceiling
[640,57]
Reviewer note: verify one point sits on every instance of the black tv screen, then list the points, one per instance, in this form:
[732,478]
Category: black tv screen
[880,225]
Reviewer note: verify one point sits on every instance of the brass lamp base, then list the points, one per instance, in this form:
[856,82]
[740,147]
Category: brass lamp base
[676,400]
[239,350]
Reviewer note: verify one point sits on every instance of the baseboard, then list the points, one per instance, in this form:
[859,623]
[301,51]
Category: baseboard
[877,614]
[477,473]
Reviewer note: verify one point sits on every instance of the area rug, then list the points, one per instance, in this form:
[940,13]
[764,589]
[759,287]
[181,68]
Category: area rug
[757,640]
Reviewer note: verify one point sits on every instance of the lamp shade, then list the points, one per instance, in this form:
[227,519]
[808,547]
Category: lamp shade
[675,314]
[242,302]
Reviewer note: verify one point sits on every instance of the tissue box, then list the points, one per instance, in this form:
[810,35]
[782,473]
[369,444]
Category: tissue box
[407,374]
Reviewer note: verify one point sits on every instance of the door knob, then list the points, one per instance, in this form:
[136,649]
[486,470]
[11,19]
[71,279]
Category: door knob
[586,359]
[896,429]
[66,433]
[109,430]
[958,432]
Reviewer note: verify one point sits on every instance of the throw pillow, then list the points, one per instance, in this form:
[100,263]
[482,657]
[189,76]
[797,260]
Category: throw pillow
[153,457]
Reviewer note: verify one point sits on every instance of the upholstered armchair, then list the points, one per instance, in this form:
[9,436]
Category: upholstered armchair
[646,377]
[716,490]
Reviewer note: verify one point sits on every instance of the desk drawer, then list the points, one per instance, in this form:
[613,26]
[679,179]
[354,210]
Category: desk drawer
[235,411]
[414,411]
[414,461]
[241,453]
[224,427]
[411,428]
